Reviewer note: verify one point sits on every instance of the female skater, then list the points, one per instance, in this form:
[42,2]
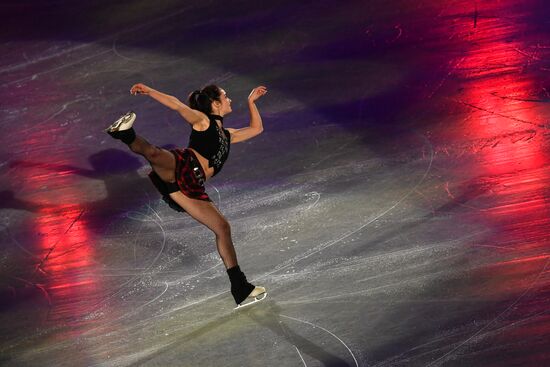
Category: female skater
[179,174]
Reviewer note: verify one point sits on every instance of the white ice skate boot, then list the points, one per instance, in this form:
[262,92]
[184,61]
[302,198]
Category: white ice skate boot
[125,122]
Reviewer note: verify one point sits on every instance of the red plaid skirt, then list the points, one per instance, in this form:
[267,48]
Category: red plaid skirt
[190,179]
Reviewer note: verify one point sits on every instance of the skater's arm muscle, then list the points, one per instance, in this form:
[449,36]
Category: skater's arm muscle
[238,135]
[189,114]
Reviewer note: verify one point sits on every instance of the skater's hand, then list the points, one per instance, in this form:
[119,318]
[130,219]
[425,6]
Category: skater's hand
[140,89]
[257,93]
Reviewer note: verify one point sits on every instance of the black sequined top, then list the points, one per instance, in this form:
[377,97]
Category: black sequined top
[212,143]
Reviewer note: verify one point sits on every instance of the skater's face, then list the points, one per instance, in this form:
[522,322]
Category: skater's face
[224,105]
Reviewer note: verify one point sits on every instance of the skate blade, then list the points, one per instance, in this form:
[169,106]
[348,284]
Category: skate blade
[258,298]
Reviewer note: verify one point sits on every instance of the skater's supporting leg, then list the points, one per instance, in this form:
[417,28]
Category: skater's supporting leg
[206,213]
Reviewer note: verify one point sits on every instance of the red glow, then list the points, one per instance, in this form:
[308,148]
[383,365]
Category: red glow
[505,124]
[67,263]
[65,249]
[504,120]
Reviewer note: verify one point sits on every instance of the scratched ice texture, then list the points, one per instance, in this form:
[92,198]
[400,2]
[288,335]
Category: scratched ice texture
[396,206]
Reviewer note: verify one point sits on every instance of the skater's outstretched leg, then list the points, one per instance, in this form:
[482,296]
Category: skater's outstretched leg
[162,161]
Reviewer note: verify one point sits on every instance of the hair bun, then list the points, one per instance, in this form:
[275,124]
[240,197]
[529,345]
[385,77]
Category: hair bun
[201,100]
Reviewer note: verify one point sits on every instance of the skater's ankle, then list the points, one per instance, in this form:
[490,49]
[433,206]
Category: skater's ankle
[240,287]
[126,136]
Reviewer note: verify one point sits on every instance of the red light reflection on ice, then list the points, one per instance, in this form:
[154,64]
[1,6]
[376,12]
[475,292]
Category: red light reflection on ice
[65,265]
[504,124]
[67,260]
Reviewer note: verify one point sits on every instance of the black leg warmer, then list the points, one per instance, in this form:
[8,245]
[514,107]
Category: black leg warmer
[166,188]
[240,288]
[127,136]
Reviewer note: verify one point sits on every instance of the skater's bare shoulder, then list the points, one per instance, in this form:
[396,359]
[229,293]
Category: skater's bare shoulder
[197,119]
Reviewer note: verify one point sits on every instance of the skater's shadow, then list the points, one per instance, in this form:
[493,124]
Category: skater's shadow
[10,201]
[120,189]
[117,169]
[109,161]
[268,315]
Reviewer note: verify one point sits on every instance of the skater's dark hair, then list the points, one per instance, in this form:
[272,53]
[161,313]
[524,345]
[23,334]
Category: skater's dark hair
[202,99]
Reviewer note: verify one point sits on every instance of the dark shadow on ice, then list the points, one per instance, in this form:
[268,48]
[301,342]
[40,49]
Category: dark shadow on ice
[268,315]
[116,168]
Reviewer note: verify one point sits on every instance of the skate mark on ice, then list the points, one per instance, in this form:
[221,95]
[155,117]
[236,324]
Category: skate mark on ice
[360,292]
[482,329]
[442,339]
[401,253]
[148,303]
[334,152]
[357,266]
[97,42]
[313,194]
[18,244]
[300,354]
[219,196]
[528,55]
[36,75]
[328,244]
[187,305]
[60,111]
[38,286]
[325,330]
[129,313]
[38,59]
[543,126]
[221,78]
[453,68]
[196,275]
[290,339]
[133,59]
[97,306]
[144,272]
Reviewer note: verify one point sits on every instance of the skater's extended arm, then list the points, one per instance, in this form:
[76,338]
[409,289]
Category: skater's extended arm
[256,126]
[189,114]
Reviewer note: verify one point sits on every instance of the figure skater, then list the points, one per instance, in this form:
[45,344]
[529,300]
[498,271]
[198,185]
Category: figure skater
[180,174]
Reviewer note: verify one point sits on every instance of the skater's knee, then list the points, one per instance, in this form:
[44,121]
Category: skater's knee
[223,228]
[152,153]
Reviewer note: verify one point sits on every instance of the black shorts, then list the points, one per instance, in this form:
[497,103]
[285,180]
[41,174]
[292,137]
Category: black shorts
[190,179]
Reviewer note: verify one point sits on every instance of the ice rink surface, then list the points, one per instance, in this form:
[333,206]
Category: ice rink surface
[396,206]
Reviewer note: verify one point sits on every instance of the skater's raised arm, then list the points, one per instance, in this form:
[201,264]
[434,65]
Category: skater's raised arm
[256,126]
[189,114]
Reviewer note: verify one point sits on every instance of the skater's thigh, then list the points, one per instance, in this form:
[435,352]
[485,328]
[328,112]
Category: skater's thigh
[164,164]
[203,211]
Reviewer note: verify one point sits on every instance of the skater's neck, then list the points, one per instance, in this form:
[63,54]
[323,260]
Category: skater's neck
[217,117]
